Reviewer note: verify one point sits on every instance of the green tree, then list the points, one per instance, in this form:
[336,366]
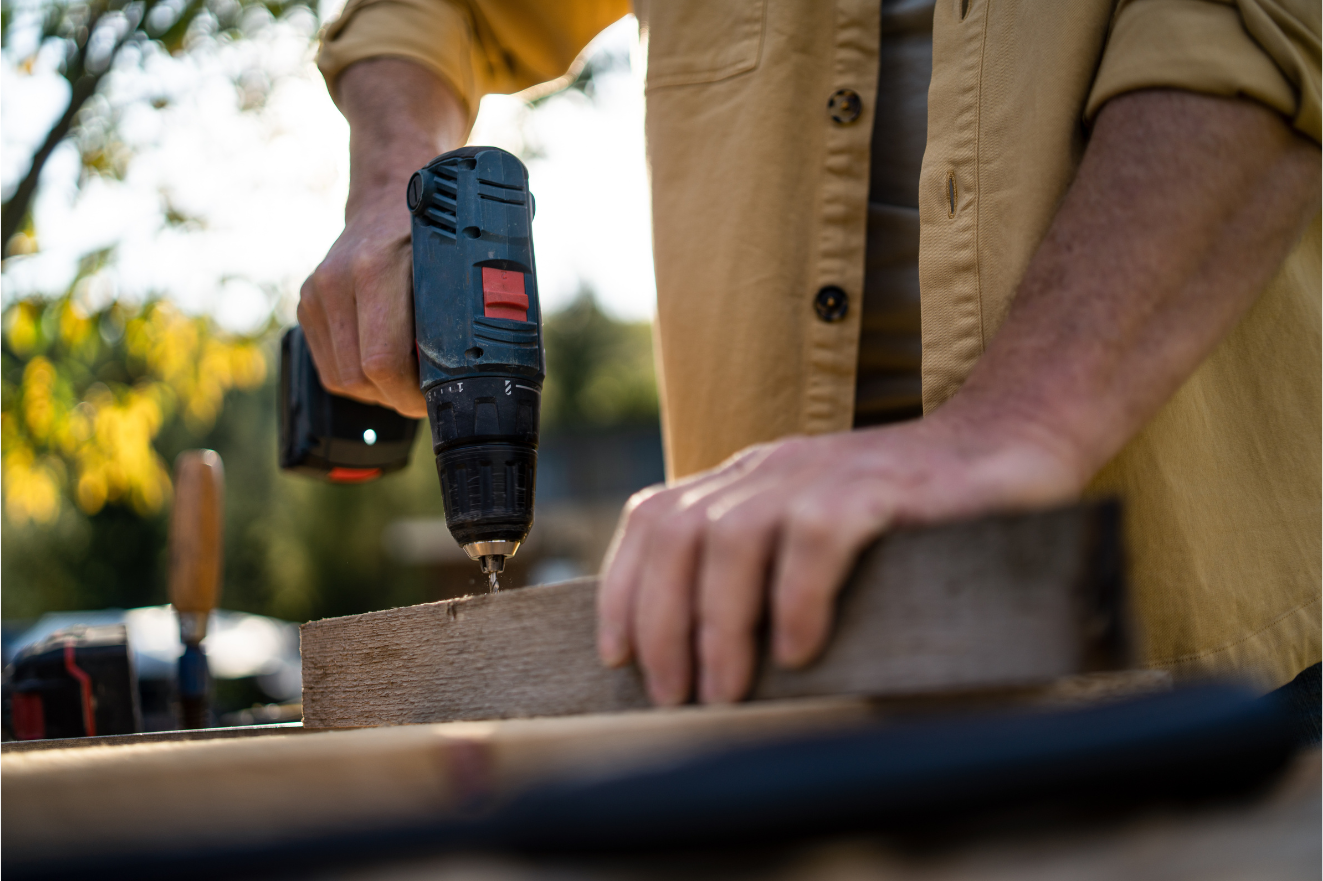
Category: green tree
[600,371]
[83,397]
[295,548]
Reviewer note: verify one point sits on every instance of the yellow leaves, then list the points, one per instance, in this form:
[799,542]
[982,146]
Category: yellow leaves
[21,327]
[117,463]
[197,367]
[32,486]
[77,332]
[39,404]
[67,433]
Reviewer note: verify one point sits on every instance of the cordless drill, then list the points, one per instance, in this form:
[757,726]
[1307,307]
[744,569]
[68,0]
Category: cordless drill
[478,330]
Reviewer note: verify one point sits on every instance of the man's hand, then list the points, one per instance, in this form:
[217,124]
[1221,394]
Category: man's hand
[357,307]
[1183,207]
[787,520]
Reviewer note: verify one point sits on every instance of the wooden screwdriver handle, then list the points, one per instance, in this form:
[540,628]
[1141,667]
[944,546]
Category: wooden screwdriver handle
[197,539]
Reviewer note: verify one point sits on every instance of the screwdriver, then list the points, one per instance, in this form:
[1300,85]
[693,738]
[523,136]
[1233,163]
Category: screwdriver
[196,538]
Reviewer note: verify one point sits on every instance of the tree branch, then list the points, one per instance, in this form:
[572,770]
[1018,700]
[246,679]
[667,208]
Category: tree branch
[16,207]
[83,86]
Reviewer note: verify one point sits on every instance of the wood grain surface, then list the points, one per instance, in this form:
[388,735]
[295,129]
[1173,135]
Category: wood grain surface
[25,746]
[1000,603]
[188,793]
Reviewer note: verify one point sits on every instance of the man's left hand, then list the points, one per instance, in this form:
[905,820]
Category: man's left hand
[696,567]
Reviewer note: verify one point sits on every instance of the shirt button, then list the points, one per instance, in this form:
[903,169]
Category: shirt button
[831,303]
[845,105]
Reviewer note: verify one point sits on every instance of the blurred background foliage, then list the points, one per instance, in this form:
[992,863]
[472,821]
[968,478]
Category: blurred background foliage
[99,392]
[295,549]
[88,40]
[599,371]
[85,394]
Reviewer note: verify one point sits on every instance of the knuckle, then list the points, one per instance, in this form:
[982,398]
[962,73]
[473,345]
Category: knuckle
[681,528]
[364,268]
[311,299]
[646,504]
[731,528]
[353,384]
[714,640]
[658,647]
[722,625]
[651,644]
[323,279]
[333,384]
[380,367]
[812,521]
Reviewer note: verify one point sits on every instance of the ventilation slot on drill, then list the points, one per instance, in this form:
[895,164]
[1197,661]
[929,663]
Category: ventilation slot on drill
[446,228]
[491,198]
[496,192]
[441,209]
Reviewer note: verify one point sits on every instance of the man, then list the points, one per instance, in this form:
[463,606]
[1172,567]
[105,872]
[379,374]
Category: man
[1119,262]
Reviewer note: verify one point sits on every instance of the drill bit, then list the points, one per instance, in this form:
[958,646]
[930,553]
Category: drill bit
[492,566]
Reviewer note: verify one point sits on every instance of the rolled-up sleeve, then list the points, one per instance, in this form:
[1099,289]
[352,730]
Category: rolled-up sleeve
[477,47]
[1264,50]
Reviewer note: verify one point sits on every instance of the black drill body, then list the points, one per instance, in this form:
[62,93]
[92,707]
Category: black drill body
[478,327]
[479,331]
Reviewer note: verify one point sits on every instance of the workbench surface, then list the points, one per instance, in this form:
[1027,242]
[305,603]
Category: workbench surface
[1272,838]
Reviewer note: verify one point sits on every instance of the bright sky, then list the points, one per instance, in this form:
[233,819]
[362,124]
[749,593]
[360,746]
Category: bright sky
[266,188]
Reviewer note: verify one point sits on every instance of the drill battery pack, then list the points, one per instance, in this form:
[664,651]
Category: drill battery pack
[76,682]
[331,437]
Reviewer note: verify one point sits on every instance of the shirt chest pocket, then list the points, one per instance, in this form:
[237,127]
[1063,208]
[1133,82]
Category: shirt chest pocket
[701,41]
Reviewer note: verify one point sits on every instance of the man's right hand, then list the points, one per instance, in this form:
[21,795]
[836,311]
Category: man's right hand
[356,308]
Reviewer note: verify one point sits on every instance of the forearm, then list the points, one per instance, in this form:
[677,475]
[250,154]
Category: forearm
[401,116]
[357,308]
[1183,208]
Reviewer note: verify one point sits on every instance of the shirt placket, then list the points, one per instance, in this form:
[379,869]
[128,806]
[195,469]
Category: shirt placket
[832,302]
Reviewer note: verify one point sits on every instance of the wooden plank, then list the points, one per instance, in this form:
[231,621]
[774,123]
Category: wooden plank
[1272,836]
[1004,602]
[23,746]
[98,802]
[188,793]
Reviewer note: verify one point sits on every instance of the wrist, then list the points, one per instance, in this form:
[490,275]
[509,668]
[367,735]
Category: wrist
[1004,429]
[381,200]
[401,116]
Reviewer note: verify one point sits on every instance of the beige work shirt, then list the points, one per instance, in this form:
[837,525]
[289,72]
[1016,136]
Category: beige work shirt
[760,202]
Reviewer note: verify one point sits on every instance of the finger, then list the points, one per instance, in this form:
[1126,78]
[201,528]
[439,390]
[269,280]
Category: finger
[316,318]
[338,291]
[615,591]
[386,335]
[312,318]
[732,586]
[662,622]
[820,539]
[624,558]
